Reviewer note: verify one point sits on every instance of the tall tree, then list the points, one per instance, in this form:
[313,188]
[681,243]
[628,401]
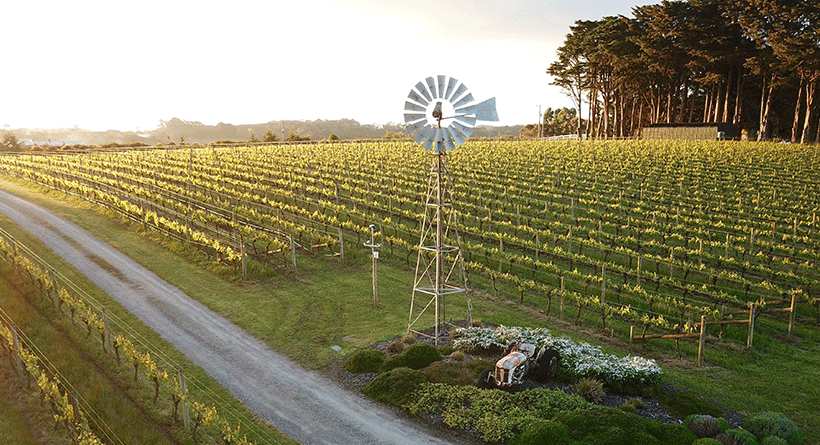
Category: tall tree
[569,71]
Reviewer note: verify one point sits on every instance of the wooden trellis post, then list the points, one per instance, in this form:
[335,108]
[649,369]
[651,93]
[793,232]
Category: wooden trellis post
[701,340]
[186,410]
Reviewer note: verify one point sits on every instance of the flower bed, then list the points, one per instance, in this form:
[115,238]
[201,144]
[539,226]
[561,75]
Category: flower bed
[577,359]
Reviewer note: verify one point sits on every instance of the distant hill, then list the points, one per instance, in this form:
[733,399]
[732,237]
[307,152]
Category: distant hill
[177,129]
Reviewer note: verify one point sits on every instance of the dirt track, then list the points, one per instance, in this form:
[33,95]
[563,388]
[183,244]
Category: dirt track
[302,404]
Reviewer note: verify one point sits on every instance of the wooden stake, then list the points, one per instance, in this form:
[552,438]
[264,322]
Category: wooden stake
[562,297]
[293,252]
[791,315]
[107,346]
[186,410]
[341,246]
[751,326]
[701,340]
[18,362]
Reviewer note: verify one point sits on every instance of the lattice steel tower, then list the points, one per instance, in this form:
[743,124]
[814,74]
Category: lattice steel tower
[441,115]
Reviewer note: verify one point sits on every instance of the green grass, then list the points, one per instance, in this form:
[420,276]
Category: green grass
[328,303]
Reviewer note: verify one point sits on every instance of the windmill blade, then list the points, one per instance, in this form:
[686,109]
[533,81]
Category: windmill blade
[417,127]
[450,85]
[441,80]
[458,137]
[414,96]
[467,120]
[466,131]
[461,90]
[432,84]
[429,139]
[464,100]
[422,135]
[448,139]
[423,90]
[410,106]
[412,117]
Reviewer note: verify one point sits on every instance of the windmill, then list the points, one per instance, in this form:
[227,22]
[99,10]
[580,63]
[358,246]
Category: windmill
[441,114]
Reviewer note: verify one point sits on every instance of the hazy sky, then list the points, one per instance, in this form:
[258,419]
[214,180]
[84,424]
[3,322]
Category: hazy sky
[126,64]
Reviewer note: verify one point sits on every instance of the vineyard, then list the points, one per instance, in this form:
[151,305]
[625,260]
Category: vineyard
[657,235]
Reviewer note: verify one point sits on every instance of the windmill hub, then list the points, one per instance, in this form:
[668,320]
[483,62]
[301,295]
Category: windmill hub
[441,113]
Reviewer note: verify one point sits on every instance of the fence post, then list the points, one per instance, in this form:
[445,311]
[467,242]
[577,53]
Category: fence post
[341,245]
[791,315]
[562,297]
[751,326]
[53,294]
[75,404]
[702,340]
[293,252]
[107,346]
[186,411]
[18,362]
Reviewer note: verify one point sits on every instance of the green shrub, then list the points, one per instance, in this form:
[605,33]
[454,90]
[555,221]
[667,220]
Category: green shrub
[674,434]
[545,432]
[364,360]
[682,404]
[737,437]
[773,440]
[707,441]
[704,425]
[495,414]
[590,389]
[408,338]
[601,425]
[445,350]
[417,356]
[396,347]
[457,356]
[453,373]
[396,386]
[632,405]
[773,424]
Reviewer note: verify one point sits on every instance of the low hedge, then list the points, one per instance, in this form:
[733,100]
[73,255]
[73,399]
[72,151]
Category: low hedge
[416,356]
[364,360]
[768,423]
[395,386]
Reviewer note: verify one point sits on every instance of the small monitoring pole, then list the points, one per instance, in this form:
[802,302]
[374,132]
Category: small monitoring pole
[375,256]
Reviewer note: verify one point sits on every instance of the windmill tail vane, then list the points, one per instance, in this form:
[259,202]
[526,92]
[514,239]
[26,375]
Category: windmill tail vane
[440,113]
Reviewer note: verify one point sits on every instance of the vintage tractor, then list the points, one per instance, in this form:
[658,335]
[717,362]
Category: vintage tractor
[519,364]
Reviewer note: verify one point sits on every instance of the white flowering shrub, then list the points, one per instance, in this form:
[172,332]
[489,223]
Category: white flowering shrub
[577,359]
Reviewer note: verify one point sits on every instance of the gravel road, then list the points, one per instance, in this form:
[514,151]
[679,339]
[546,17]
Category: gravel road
[303,404]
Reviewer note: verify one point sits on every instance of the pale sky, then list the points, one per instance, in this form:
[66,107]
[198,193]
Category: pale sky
[127,64]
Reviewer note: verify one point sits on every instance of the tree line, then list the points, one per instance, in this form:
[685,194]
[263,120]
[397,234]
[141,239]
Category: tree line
[752,63]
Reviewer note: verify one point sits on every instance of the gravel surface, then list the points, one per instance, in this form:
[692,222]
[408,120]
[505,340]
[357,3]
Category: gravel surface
[305,405]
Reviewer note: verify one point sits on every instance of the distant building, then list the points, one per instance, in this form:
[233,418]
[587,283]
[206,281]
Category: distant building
[690,131]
